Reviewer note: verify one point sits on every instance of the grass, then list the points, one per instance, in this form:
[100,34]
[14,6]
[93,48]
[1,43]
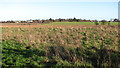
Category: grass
[61,47]
[78,23]
[71,23]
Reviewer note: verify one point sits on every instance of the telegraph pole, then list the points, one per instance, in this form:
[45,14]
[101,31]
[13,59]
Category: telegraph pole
[119,10]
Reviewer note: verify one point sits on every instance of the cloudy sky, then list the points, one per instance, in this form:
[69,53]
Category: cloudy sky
[45,9]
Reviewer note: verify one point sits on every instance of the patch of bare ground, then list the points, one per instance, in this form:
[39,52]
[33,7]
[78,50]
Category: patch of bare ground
[31,25]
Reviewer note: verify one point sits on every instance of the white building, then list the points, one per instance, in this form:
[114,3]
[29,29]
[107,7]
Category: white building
[28,21]
[119,10]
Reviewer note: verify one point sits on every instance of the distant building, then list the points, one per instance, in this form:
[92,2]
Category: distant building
[17,21]
[119,10]
[29,21]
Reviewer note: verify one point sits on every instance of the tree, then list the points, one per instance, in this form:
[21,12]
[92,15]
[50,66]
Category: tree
[74,19]
[77,20]
[60,20]
[115,20]
[109,22]
[103,22]
[50,19]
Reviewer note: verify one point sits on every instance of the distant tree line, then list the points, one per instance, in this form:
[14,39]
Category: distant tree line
[61,20]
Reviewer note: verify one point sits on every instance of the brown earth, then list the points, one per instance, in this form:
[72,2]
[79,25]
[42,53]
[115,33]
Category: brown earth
[26,25]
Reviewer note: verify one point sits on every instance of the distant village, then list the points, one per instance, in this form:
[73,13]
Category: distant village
[57,20]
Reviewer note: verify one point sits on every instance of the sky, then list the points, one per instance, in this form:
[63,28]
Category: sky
[45,9]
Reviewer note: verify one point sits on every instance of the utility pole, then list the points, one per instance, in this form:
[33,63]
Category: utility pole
[119,10]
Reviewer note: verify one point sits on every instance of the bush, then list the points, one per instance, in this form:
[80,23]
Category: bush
[103,22]
[96,22]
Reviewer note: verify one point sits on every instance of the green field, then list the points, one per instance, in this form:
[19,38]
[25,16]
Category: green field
[60,47]
[79,23]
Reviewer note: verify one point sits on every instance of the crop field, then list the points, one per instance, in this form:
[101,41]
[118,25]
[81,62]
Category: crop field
[60,45]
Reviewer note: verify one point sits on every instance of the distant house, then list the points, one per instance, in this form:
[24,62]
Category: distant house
[17,21]
[36,21]
[29,21]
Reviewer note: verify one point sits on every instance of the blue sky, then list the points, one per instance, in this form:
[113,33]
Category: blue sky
[36,9]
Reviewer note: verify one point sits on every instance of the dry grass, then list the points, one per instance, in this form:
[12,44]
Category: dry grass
[54,34]
[71,44]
